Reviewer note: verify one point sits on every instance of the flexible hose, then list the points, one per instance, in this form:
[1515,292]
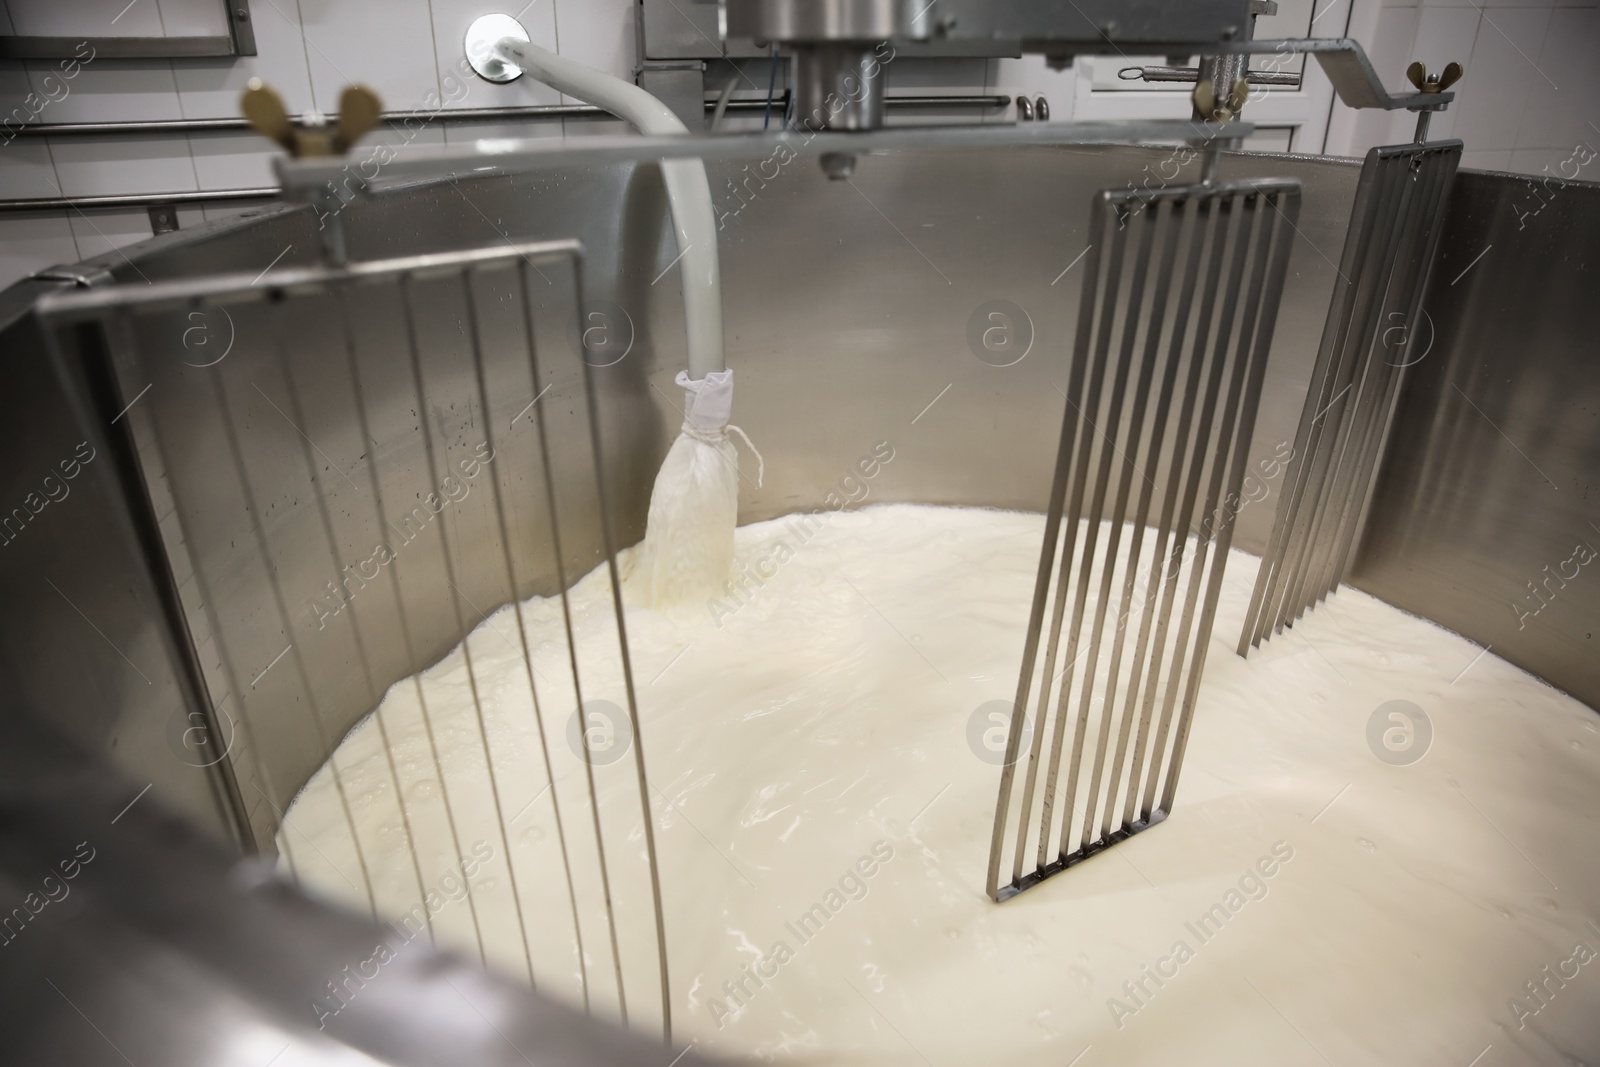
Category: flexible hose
[722,103]
[688,190]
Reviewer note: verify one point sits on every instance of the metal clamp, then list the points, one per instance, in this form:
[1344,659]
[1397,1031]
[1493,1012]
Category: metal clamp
[1222,86]
[1343,61]
[359,111]
[1354,80]
[1431,85]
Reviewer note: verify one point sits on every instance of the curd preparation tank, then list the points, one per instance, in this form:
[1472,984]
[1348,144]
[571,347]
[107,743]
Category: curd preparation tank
[849,315]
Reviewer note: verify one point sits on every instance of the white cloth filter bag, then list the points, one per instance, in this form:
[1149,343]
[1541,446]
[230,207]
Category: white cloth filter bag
[687,555]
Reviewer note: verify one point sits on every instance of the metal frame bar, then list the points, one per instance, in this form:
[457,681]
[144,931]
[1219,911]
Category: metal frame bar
[243,287]
[240,40]
[305,177]
[1345,63]
[532,154]
[84,366]
[1236,238]
[1349,407]
[447,557]
[113,313]
[124,200]
[447,115]
[164,907]
[393,118]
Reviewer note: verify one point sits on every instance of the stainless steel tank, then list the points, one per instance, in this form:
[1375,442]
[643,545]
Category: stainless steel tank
[848,309]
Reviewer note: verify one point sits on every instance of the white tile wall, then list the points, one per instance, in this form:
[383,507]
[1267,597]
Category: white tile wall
[106,90]
[94,166]
[210,88]
[192,18]
[52,18]
[26,169]
[402,139]
[98,232]
[1390,52]
[1532,86]
[1531,93]
[1482,159]
[596,32]
[388,47]
[1566,109]
[232,160]
[33,241]
[1500,76]
[462,132]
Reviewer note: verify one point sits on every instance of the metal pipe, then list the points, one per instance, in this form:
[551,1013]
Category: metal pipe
[57,203]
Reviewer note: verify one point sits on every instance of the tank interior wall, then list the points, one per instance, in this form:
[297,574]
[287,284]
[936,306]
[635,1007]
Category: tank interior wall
[848,313]
[1486,517]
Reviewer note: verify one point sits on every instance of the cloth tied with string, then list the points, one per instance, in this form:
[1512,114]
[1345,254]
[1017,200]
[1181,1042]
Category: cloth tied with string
[687,555]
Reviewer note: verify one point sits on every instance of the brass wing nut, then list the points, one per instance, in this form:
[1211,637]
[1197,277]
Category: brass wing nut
[1418,75]
[1206,103]
[359,111]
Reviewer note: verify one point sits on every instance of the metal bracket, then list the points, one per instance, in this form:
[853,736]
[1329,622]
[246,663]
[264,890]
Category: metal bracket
[163,219]
[239,24]
[240,40]
[1347,67]
[680,84]
[81,276]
